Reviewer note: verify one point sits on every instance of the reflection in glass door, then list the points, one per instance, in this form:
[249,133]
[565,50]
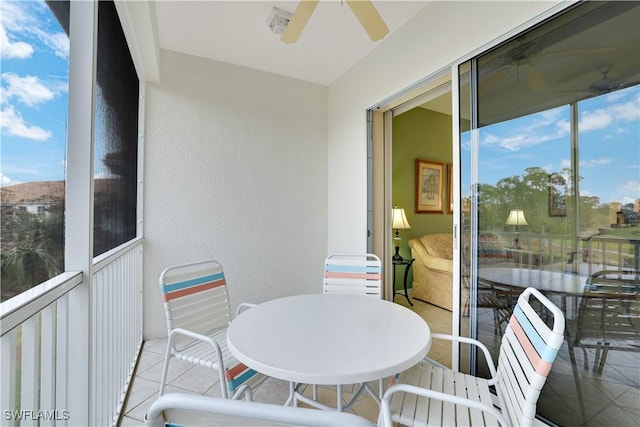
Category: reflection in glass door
[550,187]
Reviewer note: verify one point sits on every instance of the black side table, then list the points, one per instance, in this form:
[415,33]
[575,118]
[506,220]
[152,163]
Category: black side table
[407,263]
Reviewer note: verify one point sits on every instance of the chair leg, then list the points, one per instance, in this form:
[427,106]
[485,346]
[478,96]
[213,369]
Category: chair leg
[576,378]
[601,360]
[165,368]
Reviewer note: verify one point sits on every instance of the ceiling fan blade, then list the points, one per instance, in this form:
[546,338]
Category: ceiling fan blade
[492,80]
[369,18]
[534,80]
[298,20]
[580,51]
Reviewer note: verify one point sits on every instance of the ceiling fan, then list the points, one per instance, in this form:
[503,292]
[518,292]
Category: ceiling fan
[606,84]
[364,10]
[518,61]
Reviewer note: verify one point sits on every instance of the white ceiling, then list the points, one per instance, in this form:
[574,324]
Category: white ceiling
[237,32]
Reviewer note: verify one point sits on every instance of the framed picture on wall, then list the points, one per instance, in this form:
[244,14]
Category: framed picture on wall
[430,176]
[450,188]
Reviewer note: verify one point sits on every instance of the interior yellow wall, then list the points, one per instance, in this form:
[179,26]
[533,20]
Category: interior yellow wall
[419,134]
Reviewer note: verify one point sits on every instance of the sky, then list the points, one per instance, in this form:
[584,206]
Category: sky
[34,70]
[34,92]
[608,138]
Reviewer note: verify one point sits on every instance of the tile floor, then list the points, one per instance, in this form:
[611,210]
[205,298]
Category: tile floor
[609,399]
[612,399]
[186,378]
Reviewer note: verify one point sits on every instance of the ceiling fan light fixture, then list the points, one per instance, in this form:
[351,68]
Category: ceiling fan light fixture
[279,20]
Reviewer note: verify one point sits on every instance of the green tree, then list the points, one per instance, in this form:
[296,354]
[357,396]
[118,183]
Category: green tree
[32,250]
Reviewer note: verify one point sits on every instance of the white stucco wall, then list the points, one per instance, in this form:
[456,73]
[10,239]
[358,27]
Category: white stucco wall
[439,34]
[235,170]
[268,174]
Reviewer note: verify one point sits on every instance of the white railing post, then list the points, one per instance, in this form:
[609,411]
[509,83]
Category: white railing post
[29,369]
[7,367]
[47,362]
[83,20]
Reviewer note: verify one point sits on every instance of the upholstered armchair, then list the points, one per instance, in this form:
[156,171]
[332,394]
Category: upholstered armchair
[433,269]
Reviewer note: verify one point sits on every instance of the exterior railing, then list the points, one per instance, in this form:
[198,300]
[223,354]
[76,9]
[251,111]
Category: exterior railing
[116,329]
[583,256]
[38,335]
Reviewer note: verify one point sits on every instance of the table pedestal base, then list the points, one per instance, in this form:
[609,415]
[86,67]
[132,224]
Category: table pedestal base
[296,395]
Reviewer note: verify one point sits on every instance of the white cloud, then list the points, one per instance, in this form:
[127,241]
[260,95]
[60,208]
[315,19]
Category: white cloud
[30,90]
[632,185]
[592,120]
[595,162]
[627,111]
[524,138]
[13,123]
[626,200]
[604,117]
[5,181]
[553,124]
[57,42]
[20,18]
[10,49]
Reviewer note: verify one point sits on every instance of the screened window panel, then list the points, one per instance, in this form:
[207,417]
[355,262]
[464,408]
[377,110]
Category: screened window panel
[116,136]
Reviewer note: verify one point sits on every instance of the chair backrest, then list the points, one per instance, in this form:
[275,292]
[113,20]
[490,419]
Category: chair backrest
[353,274]
[195,296]
[609,310]
[528,350]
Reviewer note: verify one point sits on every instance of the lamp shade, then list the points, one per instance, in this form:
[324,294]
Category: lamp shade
[399,219]
[516,217]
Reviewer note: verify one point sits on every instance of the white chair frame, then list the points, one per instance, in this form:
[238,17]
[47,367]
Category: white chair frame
[238,412]
[349,273]
[518,379]
[198,311]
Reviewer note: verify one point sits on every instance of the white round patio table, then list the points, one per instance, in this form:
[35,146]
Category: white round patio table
[329,339]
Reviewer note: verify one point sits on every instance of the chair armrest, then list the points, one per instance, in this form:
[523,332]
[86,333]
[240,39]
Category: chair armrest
[241,410]
[385,411]
[485,351]
[197,336]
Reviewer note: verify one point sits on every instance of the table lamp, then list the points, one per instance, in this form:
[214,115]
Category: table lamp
[516,218]
[398,222]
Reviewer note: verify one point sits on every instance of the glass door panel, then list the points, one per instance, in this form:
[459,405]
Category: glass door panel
[550,158]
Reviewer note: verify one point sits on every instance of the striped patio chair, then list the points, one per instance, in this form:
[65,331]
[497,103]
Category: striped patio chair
[432,395]
[353,274]
[358,274]
[197,309]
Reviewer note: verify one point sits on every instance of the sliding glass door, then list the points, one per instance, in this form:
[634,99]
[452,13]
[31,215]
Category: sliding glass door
[550,198]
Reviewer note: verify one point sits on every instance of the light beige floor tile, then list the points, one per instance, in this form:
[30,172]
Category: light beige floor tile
[176,368]
[197,379]
[141,390]
[140,410]
[272,391]
[156,345]
[130,422]
[147,360]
